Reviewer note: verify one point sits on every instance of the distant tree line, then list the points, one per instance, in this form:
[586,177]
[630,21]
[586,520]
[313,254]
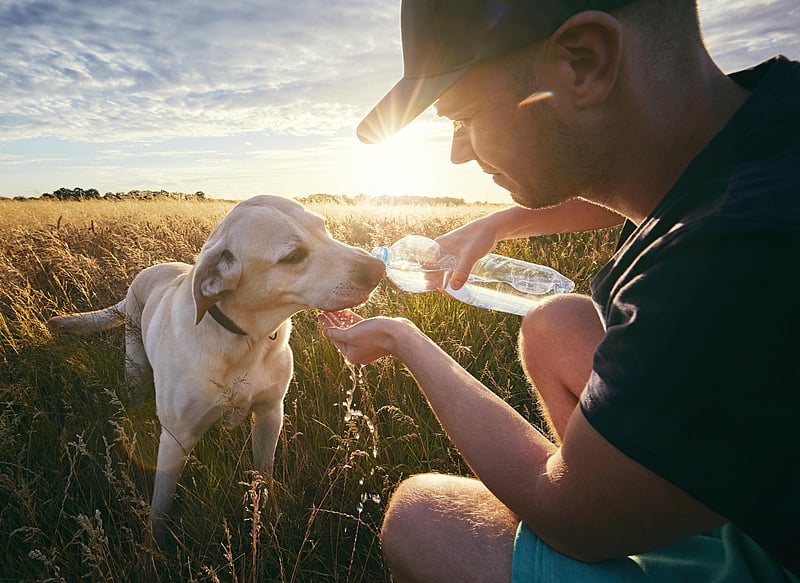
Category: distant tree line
[318,198]
[380,200]
[92,193]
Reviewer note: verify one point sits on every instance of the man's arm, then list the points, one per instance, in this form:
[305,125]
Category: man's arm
[475,239]
[573,216]
[585,499]
[594,503]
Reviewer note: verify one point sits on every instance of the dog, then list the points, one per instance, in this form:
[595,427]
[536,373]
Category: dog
[212,339]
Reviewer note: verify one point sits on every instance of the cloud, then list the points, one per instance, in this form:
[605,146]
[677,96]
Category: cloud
[742,33]
[11,160]
[94,70]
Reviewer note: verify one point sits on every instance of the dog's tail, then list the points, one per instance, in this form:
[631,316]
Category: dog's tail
[85,323]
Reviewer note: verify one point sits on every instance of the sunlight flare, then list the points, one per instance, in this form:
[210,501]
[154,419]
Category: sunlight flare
[403,164]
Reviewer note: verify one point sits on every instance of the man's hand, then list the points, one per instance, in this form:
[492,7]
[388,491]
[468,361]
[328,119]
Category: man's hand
[361,341]
[467,244]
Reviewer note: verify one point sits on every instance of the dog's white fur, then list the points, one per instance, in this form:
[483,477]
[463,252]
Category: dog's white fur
[267,259]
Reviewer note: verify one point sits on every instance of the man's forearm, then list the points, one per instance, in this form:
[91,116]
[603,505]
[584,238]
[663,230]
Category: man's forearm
[503,450]
[570,217]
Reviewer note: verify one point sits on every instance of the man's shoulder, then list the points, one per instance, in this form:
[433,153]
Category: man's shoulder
[763,146]
[751,170]
[770,118]
[776,73]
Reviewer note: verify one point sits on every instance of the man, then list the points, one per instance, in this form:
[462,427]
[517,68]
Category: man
[672,393]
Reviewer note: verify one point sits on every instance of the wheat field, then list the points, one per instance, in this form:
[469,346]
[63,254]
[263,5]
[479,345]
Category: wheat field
[77,446]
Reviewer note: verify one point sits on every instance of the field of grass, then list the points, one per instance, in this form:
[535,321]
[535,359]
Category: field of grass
[77,447]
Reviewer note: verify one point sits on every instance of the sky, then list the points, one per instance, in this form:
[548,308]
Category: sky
[249,97]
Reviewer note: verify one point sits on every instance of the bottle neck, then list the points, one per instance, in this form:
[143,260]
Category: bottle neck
[381,253]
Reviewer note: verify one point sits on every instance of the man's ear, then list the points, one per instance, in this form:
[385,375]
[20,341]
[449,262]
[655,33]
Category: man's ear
[587,49]
[216,273]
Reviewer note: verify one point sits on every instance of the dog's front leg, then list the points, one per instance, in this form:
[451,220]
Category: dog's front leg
[267,423]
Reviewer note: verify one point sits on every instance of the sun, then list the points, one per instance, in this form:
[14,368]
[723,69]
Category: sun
[403,164]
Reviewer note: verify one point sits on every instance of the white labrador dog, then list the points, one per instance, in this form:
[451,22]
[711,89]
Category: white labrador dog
[213,337]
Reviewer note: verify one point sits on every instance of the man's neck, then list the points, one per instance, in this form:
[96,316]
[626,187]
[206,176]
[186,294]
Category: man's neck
[669,135]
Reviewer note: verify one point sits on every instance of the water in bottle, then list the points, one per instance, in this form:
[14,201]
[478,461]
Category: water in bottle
[416,264]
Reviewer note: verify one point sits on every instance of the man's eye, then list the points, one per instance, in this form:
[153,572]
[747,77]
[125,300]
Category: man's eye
[294,257]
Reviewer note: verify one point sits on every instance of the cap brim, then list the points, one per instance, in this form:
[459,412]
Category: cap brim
[404,102]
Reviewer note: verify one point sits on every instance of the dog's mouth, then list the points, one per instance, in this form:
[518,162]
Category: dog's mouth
[357,289]
[347,297]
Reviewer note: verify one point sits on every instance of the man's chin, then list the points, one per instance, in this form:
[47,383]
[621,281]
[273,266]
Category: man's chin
[505,183]
[513,189]
[517,193]
[525,199]
[520,200]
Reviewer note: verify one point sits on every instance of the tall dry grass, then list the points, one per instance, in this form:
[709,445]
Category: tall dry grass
[77,447]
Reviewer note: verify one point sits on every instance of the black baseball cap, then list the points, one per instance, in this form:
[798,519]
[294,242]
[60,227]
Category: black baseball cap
[443,38]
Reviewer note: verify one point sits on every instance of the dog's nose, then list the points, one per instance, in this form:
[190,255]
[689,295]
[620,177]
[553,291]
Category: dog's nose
[370,271]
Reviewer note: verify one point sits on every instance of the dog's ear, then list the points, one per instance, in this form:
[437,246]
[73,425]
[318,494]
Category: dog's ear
[217,272]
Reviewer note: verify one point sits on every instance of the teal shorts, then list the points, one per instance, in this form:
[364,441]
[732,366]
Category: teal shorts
[725,555]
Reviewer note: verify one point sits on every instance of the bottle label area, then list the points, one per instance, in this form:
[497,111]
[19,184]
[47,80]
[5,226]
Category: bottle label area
[415,264]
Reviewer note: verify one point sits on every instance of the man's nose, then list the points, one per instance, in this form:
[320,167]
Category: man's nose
[461,149]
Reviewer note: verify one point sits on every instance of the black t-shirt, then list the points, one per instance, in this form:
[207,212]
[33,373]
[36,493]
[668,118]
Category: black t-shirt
[698,375]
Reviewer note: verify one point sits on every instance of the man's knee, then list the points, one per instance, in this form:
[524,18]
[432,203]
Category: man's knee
[562,324]
[436,523]
[557,314]
[404,514]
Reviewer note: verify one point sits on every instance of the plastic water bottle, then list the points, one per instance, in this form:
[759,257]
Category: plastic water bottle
[416,264]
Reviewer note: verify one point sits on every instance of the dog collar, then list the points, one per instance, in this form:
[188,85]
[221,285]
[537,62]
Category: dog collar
[229,324]
[225,321]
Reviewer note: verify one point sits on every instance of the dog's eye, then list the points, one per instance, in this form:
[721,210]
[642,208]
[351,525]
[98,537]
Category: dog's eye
[295,257]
